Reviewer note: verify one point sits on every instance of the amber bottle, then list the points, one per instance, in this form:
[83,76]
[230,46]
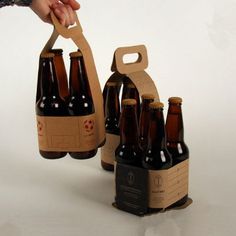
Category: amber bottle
[175,136]
[80,102]
[144,117]
[157,157]
[50,103]
[131,92]
[112,116]
[129,150]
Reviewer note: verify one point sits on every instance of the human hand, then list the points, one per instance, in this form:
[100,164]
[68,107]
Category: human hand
[63,10]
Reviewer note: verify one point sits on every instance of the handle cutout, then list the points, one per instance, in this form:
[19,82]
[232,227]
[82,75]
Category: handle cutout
[131,58]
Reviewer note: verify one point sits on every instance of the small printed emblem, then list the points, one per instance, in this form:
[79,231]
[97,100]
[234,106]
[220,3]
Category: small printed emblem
[40,127]
[89,125]
[130,178]
[158,181]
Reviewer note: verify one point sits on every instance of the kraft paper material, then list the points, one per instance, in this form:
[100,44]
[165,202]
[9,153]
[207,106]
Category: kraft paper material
[67,133]
[108,150]
[168,186]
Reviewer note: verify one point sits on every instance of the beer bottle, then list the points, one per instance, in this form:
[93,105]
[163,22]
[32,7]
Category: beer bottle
[175,136]
[50,102]
[130,91]
[157,157]
[112,116]
[38,92]
[129,150]
[61,73]
[80,102]
[144,117]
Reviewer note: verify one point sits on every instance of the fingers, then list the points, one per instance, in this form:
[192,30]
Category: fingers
[73,3]
[64,13]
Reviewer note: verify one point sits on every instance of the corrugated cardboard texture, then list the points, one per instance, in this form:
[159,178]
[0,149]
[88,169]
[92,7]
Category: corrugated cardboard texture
[67,133]
[75,33]
[168,186]
[108,150]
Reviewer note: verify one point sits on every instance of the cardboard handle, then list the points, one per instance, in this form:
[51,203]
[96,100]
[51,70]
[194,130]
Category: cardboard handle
[64,31]
[127,68]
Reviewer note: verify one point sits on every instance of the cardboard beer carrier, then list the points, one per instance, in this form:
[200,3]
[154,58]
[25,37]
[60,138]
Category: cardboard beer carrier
[138,189]
[70,133]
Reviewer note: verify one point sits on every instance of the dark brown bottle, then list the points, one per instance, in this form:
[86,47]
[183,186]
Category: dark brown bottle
[175,136]
[129,150]
[144,117]
[157,157]
[80,102]
[112,115]
[50,103]
[61,73]
[131,92]
[38,92]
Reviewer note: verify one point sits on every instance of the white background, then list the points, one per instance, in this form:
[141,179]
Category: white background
[192,53]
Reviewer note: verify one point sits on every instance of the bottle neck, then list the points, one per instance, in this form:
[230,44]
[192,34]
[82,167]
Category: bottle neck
[129,126]
[49,84]
[174,124]
[156,134]
[112,105]
[78,77]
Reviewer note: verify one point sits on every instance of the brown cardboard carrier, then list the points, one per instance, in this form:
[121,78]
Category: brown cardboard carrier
[165,187]
[72,133]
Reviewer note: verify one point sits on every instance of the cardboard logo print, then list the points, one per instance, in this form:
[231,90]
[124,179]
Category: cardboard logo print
[89,125]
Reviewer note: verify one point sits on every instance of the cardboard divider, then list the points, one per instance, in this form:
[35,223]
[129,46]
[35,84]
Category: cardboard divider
[76,35]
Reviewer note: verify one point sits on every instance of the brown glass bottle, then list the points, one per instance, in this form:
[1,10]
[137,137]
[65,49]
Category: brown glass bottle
[61,73]
[50,103]
[131,92]
[175,136]
[144,117]
[129,150]
[112,115]
[80,102]
[157,157]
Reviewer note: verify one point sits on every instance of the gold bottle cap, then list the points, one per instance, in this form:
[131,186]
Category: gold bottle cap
[148,96]
[76,54]
[111,84]
[47,55]
[175,100]
[129,102]
[156,105]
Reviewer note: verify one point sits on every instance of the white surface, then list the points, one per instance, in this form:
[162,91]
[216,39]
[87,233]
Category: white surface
[192,54]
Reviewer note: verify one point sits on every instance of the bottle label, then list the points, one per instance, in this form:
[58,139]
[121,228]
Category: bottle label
[67,133]
[168,186]
[108,150]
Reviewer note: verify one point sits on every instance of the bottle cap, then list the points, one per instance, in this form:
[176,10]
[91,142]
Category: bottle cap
[148,96]
[47,55]
[129,102]
[76,54]
[175,100]
[57,51]
[156,105]
[111,84]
